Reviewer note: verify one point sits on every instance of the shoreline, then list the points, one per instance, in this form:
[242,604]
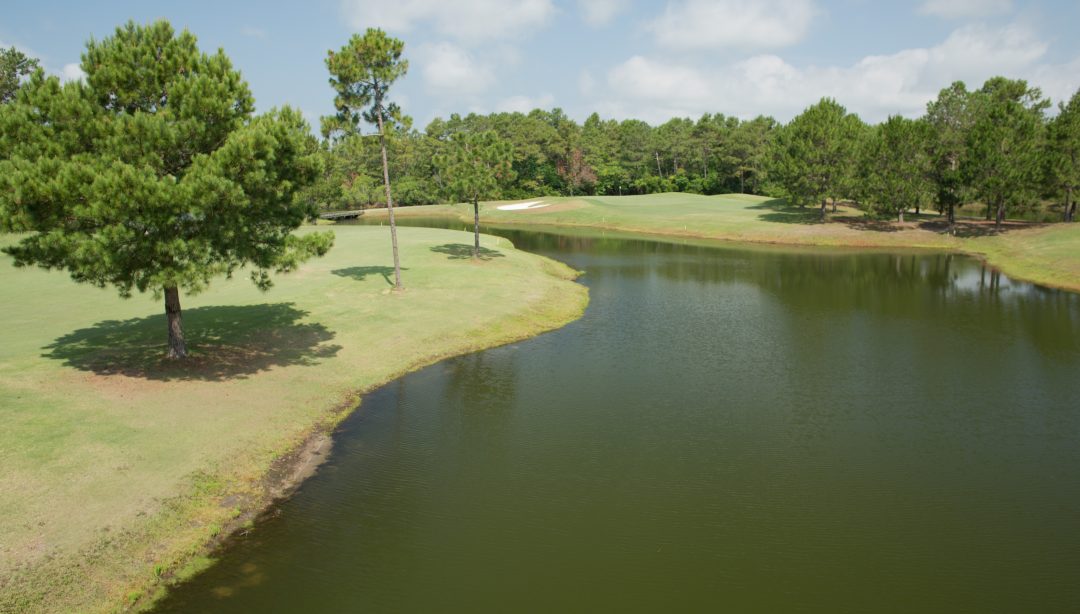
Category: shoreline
[131,565]
[288,471]
[956,245]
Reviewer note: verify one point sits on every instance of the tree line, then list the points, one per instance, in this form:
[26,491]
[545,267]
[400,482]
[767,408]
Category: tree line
[997,146]
[153,173]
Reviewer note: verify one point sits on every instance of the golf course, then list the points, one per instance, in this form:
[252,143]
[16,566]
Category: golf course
[540,306]
[1047,254]
[121,467]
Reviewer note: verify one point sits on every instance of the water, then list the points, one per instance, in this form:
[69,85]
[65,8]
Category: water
[724,429]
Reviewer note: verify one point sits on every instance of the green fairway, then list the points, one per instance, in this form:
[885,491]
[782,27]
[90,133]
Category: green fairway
[118,466]
[1048,254]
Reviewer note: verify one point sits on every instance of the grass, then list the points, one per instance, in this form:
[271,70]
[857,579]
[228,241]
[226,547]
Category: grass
[119,468]
[1047,254]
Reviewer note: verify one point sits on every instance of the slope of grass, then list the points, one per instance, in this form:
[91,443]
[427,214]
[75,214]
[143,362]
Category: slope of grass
[119,466]
[1044,254]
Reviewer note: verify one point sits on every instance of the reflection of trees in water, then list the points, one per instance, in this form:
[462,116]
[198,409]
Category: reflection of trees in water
[484,386]
[905,285]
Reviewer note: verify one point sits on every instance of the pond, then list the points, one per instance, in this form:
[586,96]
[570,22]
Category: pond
[725,428]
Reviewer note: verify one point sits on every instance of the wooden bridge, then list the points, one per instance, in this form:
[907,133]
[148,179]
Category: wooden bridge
[341,215]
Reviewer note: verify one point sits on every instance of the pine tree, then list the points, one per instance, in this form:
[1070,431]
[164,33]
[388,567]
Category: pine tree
[815,152]
[14,65]
[1003,143]
[153,174]
[361,73]
[898,166]
[1063,153]
[474,167]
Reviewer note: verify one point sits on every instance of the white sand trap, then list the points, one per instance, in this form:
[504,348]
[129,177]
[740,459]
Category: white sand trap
[532,204]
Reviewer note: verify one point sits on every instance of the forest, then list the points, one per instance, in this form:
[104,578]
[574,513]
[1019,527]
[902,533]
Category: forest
[1003,150]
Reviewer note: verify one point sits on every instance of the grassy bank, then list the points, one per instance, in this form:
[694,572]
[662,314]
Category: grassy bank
[1046,254]
[119,468]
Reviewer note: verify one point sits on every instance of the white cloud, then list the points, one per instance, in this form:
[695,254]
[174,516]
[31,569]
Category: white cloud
[466,20]
[874,87]
[448,68]
[72,72]
[600,12]
[954,9]
[524,104]
[740,24]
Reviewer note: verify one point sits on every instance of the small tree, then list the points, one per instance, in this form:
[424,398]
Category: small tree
[1063,153]
[361,73]
[153,175]
[14,65]
[474,166]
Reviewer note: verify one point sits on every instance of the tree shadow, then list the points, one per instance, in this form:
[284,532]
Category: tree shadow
[783,213]
[871,224]
[975,228]
[460,251]
[360,273]
[224,342]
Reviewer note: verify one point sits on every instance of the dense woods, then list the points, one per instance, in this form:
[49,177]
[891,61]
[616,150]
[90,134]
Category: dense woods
[1001,147]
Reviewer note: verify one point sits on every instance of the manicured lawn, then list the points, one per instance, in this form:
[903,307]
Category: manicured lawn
[1047,254]
[118,466]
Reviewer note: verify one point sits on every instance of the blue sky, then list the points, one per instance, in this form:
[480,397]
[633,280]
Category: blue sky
[622,58]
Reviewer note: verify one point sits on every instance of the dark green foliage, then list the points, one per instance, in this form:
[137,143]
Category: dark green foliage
[814,155]
[897,175]
[474,166]
[153,174]
[361,74]
[1003,144]
[1062,161]
[950,118]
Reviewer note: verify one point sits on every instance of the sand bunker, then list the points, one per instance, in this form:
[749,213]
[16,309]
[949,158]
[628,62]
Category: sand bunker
[532,204]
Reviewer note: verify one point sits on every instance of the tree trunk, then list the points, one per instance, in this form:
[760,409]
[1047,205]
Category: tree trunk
[389,201]
[834,205]
[177,347]
[900,215]
[659,170]
[823,203]
[1070,205]
[989,209]
[952,218]
[476,228]
[917,207]
[1000,213]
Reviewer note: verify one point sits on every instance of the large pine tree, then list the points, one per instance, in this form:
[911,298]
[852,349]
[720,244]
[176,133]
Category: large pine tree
[153,174]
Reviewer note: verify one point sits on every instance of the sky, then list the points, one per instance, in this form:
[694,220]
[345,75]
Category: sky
[620,58]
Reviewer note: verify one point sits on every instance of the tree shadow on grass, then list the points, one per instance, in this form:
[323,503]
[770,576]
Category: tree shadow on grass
[460,251]
[783,213]
[360,273]
[975,228]
[871,224]
[225,342]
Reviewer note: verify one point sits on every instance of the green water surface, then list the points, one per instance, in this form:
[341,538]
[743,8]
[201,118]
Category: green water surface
[724,430]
